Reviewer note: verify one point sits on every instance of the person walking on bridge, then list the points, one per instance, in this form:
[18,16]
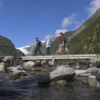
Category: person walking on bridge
[38,46]
[48,45]
[63,40]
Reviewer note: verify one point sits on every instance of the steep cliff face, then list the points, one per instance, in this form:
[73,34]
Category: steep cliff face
[88,40]
[7,48]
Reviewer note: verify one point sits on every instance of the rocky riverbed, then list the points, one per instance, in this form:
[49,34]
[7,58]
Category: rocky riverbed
[24,80]
[48,71]
[28,89]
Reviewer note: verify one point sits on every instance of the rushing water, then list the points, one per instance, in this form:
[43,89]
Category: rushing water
[27,89]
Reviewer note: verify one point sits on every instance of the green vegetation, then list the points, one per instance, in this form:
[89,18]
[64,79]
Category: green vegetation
[7,48]
[86,41]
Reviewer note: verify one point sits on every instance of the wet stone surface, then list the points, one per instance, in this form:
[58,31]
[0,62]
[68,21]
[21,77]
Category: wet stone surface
[28,89]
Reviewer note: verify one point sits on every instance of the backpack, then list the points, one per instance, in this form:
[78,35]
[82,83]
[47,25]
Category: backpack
[40,44]
[65,39]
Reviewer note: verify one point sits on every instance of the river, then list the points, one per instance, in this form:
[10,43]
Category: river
[27,89]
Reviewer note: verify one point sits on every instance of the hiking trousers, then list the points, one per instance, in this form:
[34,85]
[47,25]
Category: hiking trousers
[37,49]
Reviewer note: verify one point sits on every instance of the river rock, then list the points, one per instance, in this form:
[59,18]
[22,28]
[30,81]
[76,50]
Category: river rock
[81,76]
[93,70]
[98,77]
[8,59]
[76,66]
[2,67]
[29,65]
[92,81]
[97,64]
[16,69]
[79,72]
[63,73]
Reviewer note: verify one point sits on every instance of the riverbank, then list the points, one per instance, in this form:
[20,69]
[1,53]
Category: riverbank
[50,73]
[41,81]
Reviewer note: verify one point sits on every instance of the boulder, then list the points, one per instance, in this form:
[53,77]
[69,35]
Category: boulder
[93,70]
[98,77]
[77,66]
[81,76]
[92,81]
[8,59]
[2,67]
[79,72]
[63,73]
[29,65]
[16,69]
[97,64]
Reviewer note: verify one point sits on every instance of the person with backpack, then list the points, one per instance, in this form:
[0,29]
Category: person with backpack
[63,40]
[38,46]
[48,45]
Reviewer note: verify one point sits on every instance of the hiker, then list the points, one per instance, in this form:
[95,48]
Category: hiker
[38,46]
[48,45]
[63,40]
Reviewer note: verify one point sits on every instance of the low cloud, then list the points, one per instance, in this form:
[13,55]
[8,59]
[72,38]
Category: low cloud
[59,31]
[66,22]
[69,21]
[94,5]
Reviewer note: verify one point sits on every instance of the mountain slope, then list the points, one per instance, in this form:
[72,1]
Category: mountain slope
[7,48]
[84,40]
[88,40]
